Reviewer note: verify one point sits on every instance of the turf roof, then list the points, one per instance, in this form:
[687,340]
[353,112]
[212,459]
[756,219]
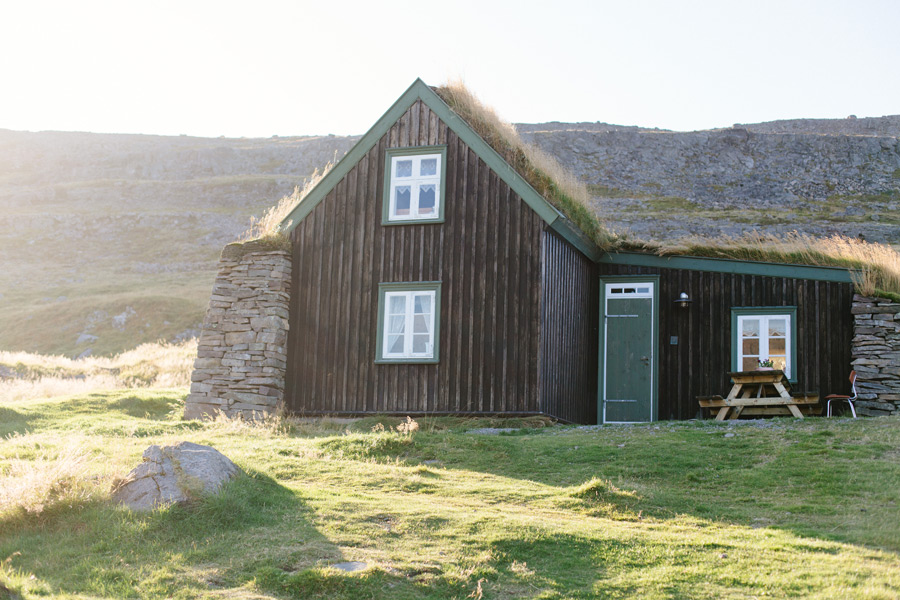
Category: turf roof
[563,213]
[561,200]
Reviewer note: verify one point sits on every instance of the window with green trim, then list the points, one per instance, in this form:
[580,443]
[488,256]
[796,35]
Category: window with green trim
[764,333]
[414,184]
[408,322]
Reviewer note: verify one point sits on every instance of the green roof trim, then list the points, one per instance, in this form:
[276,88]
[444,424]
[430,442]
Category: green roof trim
[725,265]
[420,91]
[575,236]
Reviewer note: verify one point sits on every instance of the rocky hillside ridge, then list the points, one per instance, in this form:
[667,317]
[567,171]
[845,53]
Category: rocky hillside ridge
[729,166]
[820,176]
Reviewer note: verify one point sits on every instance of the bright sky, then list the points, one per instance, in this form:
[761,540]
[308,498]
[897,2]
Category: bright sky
[280,67]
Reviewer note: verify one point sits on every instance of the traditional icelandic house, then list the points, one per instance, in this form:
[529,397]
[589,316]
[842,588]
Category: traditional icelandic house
[427,276]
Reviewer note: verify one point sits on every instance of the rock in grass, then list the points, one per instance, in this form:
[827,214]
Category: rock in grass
[174,475]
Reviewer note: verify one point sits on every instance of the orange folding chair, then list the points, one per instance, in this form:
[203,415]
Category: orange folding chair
[841,398]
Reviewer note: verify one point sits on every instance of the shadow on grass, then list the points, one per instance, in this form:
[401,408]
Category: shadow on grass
[221,541]
[12,422]
[518,566]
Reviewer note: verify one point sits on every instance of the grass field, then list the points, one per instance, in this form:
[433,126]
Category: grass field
[776,508]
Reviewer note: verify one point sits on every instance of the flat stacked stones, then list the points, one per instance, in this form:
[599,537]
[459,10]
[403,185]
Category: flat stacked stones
[876,355]
[242,352]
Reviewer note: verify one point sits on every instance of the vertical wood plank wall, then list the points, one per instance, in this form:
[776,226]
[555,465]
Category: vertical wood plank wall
[569,323]
[487,254]
[699,364]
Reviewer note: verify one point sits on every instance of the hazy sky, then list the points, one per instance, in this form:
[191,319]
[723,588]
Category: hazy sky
[261,68]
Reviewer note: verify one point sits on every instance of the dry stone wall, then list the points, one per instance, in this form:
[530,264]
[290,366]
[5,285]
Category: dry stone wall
[242,352]
[876,355]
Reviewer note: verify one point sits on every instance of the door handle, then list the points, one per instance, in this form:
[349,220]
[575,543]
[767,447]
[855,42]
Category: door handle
[645,360]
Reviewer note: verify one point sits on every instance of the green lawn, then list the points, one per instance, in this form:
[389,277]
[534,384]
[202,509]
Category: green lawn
[776,508]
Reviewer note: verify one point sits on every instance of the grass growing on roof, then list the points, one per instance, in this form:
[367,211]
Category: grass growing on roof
[543,172]
[268,228]
[875,267]
[781,508]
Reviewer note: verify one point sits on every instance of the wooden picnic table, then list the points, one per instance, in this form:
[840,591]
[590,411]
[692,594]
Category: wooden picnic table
[760,393]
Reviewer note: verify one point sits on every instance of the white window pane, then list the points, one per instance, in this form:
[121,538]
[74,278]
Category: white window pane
[395,344]
[428,167]
[779,362]
[402,195]
[777,327]
[397,324]
[423,304]
[427,195]
[409,324]
[777,346]
[397,305]
[749,364]
[420,324]
[420,343]
[403,168]
[750,328]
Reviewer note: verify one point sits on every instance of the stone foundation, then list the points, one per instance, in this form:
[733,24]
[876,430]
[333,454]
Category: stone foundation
[876,355]
[242,352]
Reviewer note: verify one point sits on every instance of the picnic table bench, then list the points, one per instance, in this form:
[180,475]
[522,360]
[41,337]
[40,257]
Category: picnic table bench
[758,393]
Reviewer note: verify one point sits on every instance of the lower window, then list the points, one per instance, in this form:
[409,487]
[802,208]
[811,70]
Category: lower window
[761,334]
[408,322]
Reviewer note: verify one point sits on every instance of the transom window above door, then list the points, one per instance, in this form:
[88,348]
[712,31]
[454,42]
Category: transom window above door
[414,183]
[760,334]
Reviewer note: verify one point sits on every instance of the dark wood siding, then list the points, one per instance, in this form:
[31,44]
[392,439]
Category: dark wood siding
[569,318]
[487,255]
[699,363]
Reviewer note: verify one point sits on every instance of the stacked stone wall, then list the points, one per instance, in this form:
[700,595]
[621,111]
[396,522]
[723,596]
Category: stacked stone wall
[876,355]
[242,351]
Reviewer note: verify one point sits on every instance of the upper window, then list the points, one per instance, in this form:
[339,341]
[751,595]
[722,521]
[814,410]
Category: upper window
[760,334]
[408,322]
[414,183]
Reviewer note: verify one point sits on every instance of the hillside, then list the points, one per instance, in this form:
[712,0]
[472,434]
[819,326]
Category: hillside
[817,176]
[108,241]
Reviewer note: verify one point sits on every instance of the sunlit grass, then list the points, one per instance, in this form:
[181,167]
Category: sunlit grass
[28,376]
[780,508]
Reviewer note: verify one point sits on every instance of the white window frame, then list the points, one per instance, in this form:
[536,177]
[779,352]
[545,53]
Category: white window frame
[415,183]
[764,338]
[409,291]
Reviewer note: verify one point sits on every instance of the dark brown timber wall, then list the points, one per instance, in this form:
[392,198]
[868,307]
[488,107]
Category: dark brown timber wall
[569,319]
[699,364]
[487,256]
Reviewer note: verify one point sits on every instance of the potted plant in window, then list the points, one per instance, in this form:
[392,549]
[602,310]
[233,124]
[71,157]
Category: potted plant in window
[765,365]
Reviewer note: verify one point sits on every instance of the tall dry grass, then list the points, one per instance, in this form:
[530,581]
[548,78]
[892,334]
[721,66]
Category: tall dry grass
[26,376]
[269,226]
[543,172]
[874,267]
[48,476]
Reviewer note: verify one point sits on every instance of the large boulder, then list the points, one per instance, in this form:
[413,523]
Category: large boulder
[173,475]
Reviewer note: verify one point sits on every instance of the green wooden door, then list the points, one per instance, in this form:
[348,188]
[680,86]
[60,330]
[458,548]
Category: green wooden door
[628,370]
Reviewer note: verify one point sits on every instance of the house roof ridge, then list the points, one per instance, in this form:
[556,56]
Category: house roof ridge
[419,90]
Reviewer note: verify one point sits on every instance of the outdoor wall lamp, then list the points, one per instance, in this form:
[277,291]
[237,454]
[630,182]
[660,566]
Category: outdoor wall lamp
[683,300]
